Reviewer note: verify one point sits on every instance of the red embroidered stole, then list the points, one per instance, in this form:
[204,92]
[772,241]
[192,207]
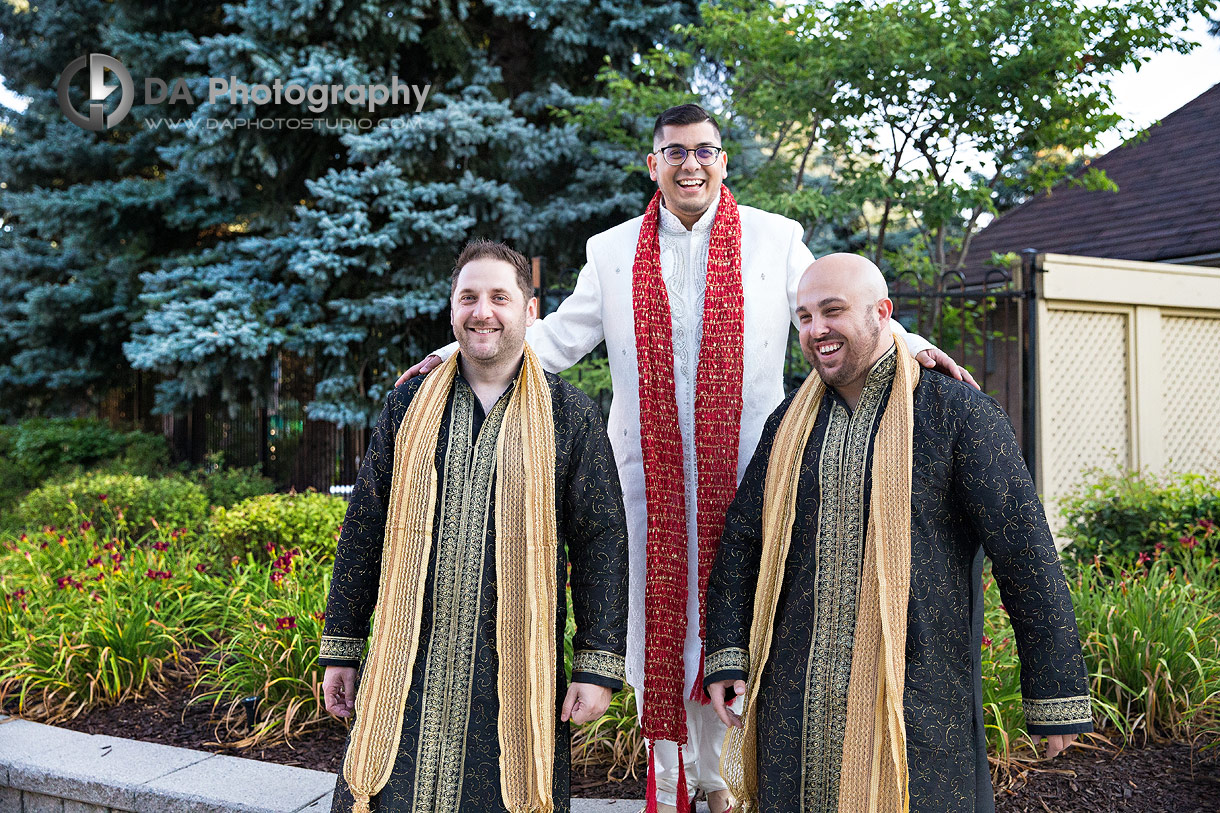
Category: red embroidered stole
[717,434]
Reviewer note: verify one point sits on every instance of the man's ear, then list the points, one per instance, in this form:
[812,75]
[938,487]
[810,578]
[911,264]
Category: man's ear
[651,160]
[885,310]
[531,311]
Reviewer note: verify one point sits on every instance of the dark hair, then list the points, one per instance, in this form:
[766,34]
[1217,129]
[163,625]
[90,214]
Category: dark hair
[683,114]
[481,248]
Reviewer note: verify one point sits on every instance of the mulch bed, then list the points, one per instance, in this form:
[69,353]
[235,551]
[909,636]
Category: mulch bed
[1169,778]
[1156,779]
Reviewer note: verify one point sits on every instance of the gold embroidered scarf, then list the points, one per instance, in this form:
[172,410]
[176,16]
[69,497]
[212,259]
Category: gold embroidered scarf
[873,775]
[526,586]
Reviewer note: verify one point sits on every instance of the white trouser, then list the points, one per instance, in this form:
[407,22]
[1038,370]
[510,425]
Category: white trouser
[701,753]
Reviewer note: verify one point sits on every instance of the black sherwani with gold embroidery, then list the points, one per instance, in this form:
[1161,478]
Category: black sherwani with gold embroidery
[971,494]
[448,756]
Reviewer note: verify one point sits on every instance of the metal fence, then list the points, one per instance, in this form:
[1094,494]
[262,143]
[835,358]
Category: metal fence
[278,438]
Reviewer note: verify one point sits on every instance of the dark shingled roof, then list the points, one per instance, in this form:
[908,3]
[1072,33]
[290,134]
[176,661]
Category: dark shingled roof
[1167,206]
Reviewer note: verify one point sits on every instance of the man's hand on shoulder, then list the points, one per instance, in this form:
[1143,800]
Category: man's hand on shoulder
[339,690]
[423,368]
[934,359]
[585,702]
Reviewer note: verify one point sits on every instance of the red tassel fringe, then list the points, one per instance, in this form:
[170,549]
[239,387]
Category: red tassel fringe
[683,800]
[650,805]
[696,691]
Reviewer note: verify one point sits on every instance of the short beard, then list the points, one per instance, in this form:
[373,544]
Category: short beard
[858,362]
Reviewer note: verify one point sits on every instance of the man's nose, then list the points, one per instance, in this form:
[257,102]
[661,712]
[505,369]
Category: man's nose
[690,162]
[482,308]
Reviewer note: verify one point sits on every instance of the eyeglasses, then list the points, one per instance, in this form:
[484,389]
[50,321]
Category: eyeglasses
[675,156]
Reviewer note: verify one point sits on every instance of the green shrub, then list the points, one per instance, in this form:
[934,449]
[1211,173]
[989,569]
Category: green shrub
[1122,515]
[226,487]
[92,616]
[272,653]
[1150,636]
[171,502]
[43,447]
[278,522]
[39,450]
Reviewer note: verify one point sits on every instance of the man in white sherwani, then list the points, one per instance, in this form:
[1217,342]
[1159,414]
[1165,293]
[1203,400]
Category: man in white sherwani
[694,300]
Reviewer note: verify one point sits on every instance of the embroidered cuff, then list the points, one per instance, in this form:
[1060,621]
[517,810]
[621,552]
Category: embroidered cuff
[338,648]
[1060,714]
[603,664]
[727,659]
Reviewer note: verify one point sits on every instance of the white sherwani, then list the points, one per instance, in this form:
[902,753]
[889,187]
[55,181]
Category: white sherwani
[773,258]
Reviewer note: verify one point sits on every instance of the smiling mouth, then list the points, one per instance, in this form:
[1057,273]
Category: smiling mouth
[484,331]
[825,350]
[691,183]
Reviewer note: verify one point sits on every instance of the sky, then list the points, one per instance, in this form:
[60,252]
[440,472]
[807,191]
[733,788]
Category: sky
[1160,86]
[1165,83]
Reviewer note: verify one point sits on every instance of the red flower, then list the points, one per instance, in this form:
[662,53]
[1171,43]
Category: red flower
[65,582]
[63,540]
[201,567]
[288,622]
[102,497]
[269,547]
[986,641]
[159,545]
[24,538]
[1144,558]
[1160,546]
[159,575]
[1189,542]
[95,561]
[116,557]
[277,576]
[319,616]
[86,525]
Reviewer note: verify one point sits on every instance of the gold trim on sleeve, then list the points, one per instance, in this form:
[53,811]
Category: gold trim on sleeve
[340,648]
[1057,711]
[728,658]
[596,662]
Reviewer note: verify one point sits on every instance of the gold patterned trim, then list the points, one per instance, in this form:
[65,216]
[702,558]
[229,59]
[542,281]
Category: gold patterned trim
[728,658]
[457,580]
[595,662]
[840,544]
[340,648]
[1058,711]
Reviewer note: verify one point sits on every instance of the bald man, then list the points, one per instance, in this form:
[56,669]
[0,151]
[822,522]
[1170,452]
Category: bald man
[851,618]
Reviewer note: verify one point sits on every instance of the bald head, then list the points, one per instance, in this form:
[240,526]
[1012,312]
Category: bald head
[856,277]
[844,310]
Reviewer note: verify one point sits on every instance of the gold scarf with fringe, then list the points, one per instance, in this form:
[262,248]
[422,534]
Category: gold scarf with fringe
[873,772]
[526,592]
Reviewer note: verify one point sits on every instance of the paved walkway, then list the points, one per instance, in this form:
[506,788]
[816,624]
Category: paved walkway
[44,768]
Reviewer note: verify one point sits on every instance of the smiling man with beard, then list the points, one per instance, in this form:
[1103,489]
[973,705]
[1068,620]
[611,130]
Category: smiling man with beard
[480,483]
[847,584]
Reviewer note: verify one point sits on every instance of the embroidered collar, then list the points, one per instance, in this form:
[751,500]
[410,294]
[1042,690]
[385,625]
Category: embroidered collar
[880,376]
[670,224]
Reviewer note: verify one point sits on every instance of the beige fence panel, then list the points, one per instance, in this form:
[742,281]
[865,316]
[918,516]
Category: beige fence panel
[1192,391]
[1128,369]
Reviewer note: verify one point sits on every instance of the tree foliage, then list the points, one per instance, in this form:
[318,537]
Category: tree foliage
[204,250]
